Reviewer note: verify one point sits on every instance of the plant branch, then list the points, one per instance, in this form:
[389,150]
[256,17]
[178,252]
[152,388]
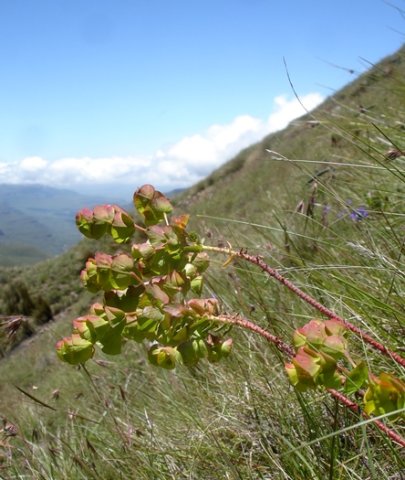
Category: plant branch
[272,272]
[289,351]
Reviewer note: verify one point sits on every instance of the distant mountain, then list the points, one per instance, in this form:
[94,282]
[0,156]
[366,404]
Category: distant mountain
[38,222]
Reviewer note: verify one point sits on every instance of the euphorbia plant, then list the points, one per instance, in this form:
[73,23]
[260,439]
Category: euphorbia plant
[148,292]
[151,294]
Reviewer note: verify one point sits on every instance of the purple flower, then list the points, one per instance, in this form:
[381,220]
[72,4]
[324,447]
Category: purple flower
[359,214]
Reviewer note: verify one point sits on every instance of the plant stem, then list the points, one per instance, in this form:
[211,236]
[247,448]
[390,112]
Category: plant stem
[289,351]
[272,272]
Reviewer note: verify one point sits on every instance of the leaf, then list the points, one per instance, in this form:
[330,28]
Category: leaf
[122,227]
[356,378]
[127,301]
[74,349]
[196,285]
[112,343]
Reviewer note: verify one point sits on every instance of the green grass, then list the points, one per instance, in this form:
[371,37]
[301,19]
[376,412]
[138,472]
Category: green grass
[240,419]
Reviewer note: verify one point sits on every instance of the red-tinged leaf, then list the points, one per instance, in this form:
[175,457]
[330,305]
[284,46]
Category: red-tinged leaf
[103,260]
[204,306]
[333,327]
[97,309]
[160,203]
[74,349]
[180,222]
[176,310]
[145,193]
[122,263]
[103,214]
[151,204]
[80,326]
[306,362]
[156,293]
[87,226]
[226,347]
[122,227]
[142,250]
[334,346]
[314,331]
[156,235]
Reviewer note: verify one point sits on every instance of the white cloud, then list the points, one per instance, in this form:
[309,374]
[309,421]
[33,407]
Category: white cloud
[179,165]
[33,164]
[287,110]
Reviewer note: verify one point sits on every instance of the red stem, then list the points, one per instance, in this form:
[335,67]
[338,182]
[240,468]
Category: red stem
[272,272]
[257,260]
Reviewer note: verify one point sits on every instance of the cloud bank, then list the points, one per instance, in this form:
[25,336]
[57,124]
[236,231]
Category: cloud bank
[178,165]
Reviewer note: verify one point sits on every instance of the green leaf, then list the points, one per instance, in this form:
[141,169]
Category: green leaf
[127,301]
[356,378]
[189,353]
[112,343]
[151,205]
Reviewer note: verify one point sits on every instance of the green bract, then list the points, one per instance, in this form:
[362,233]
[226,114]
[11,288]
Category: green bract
[385,394]
[320,344]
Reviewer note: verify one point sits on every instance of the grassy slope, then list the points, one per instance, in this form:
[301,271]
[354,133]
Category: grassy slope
[240,419]
[339,130]
[37,222]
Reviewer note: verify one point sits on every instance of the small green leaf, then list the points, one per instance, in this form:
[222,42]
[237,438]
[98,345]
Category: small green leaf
[356,378]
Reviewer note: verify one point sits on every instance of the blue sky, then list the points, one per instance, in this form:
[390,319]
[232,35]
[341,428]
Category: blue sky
[95,93]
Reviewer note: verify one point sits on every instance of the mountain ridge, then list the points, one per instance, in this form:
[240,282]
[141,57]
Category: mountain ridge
[37,221]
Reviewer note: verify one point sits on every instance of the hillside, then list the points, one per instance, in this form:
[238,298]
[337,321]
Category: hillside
[334,228]
[37,222]
[347,128]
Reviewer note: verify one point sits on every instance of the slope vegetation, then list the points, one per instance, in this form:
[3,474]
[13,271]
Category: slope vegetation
[334,227]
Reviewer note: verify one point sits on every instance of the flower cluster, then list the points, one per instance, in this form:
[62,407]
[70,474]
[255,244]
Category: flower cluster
[319,345]
[146,292]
